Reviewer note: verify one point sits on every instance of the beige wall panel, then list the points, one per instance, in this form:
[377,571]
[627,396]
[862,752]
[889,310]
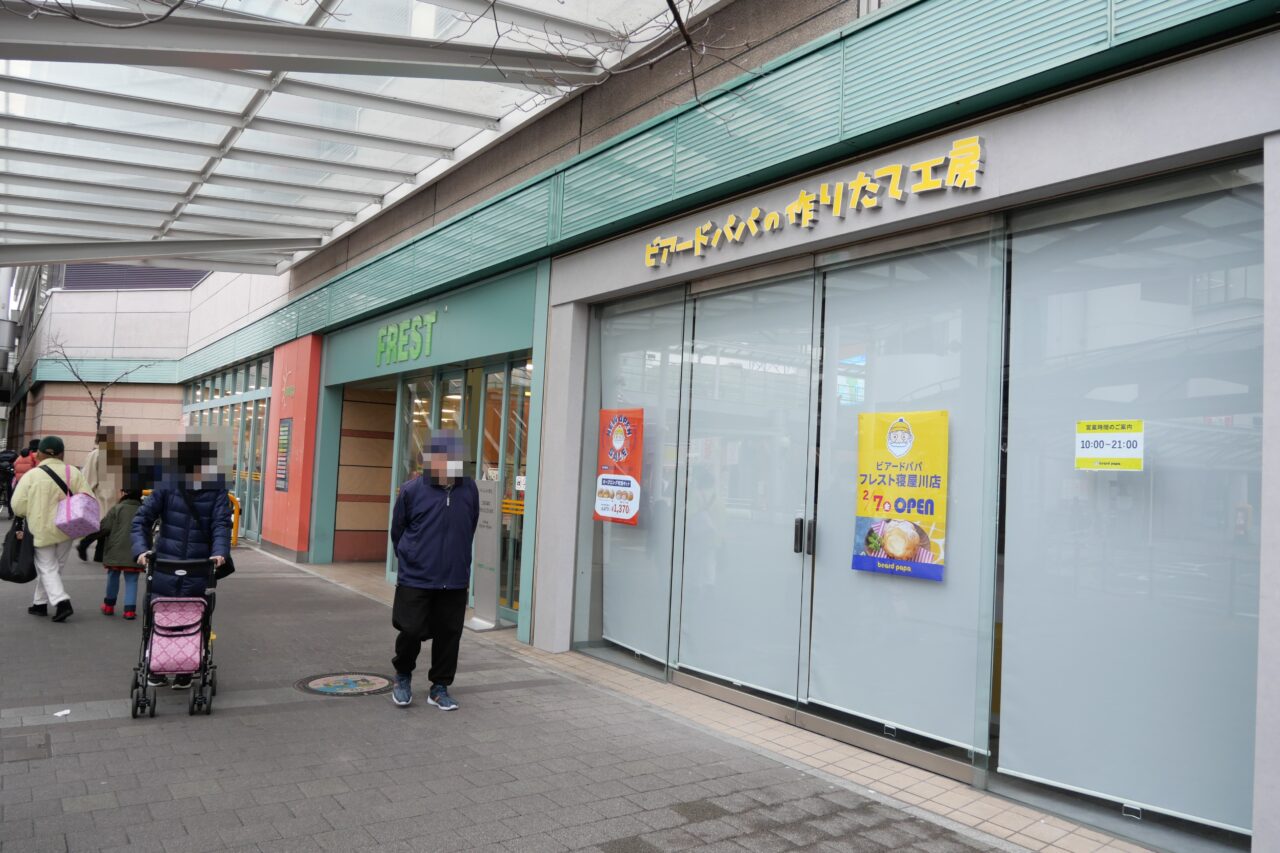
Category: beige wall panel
[368,452]
[152,301]
[355,480]
[365,395]
[96,302]
[152,329]
[376,417]
[79,331]
[362,516]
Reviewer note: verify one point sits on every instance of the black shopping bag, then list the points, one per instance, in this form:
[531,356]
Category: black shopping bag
[18,559]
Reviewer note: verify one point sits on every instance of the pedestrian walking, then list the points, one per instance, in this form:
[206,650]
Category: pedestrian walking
[190,502]
[36,499]
[117,554]
[104,483]
[25,462]
[431,530]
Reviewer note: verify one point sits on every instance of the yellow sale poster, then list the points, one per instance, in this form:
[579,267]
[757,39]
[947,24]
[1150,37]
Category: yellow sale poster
[901,524]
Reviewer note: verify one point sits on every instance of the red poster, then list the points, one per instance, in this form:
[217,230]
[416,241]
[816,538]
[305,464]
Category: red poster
[618,467]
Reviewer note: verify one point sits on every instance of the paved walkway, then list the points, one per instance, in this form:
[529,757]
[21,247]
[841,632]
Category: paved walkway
[538,758]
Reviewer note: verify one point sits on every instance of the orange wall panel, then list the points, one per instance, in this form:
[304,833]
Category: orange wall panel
[295,393]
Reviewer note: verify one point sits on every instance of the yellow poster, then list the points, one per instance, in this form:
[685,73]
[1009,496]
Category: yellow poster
[901,523]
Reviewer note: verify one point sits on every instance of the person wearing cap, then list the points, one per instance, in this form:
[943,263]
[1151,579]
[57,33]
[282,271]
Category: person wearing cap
[432,528]
[36,499]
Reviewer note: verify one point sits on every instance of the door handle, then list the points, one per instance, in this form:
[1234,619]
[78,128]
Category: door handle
[798,543]
[808,543]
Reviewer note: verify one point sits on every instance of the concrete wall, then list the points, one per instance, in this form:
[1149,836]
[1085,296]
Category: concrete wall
[224,302]
[144,324]
[364,475]
[64,409]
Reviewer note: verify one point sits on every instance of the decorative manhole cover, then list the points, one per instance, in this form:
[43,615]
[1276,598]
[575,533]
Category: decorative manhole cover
[345,684]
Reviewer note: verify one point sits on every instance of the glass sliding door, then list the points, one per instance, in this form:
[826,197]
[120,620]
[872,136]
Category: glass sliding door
[910,334]
[748,485]
[519,378]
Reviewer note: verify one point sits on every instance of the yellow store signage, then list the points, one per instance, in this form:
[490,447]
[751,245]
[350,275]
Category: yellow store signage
[959,169]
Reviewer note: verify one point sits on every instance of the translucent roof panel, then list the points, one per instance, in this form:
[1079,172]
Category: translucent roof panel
[362,120]
[357,137]
[306,177]
[338,152]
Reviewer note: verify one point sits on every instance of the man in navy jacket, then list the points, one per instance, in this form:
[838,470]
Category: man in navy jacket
[431,530]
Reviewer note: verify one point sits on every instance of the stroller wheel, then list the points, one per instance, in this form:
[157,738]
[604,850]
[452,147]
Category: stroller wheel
[134,710]
[151,710]
[207,697]
[213,681]
[191,704]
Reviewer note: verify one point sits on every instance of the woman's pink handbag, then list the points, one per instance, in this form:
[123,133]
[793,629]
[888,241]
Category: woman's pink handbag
[77,515]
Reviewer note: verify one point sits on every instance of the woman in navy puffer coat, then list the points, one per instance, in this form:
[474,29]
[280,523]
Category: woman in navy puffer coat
[182,536]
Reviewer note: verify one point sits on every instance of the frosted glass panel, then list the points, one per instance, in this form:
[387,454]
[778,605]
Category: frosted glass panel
[748,465]
[640,369]
[1130,605]
[917,332]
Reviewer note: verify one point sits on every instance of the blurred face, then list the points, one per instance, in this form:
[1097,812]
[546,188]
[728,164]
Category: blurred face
[443,462]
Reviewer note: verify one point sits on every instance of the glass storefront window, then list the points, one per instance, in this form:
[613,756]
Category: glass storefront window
[1131,587]
[513,494]
[264,377]
[623,589]
[491,441]
[415,427]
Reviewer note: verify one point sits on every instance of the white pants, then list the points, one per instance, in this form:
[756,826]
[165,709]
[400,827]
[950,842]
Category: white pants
[50,561]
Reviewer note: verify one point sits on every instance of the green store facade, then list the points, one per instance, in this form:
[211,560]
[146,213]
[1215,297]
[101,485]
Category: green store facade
[519,320]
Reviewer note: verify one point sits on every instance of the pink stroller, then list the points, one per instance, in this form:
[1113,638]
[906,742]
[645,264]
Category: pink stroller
[175,634]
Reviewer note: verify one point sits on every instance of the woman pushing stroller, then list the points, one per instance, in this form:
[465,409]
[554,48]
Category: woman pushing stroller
[190,502]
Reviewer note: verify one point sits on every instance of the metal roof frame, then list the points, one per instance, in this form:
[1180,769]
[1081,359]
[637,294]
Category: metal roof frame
[221,46]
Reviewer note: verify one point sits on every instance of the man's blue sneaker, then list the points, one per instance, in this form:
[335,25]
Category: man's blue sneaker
[439,696]
[402,692]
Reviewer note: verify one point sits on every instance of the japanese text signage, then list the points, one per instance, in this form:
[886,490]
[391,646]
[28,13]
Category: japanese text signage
[901,525]
[862,194]
[407,340]
[283,442]
[1109,445]
[618,469]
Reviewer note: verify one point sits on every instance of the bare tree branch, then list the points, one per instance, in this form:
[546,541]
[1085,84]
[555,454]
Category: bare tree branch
[56,350]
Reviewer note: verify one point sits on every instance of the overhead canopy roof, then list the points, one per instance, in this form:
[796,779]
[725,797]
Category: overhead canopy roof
[234,134]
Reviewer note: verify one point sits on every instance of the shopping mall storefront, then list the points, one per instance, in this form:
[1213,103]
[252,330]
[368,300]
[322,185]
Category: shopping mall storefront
[954,452]
[460,361]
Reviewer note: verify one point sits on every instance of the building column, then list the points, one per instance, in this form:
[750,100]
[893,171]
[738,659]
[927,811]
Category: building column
[1266,750]
[559,469]
[287,484]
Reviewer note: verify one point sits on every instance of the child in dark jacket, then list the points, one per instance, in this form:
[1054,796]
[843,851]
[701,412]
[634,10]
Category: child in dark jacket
[117,554]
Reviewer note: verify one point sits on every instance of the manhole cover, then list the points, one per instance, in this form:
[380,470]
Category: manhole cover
[345,684]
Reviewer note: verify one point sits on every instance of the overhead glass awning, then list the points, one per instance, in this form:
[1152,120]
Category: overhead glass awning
[240,134]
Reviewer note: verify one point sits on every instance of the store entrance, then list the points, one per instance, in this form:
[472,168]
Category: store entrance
[749,418]
[488,404]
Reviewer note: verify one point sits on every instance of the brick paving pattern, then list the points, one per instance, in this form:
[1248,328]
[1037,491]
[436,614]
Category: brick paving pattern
[536,760]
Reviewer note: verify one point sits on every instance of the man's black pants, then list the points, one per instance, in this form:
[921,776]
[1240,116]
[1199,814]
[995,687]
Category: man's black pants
[428,614]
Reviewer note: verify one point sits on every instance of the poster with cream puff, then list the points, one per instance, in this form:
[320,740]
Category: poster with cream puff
[901,524]
[618,466]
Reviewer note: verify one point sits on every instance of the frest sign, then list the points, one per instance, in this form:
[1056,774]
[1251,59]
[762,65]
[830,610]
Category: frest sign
[862,194]
[408,340]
